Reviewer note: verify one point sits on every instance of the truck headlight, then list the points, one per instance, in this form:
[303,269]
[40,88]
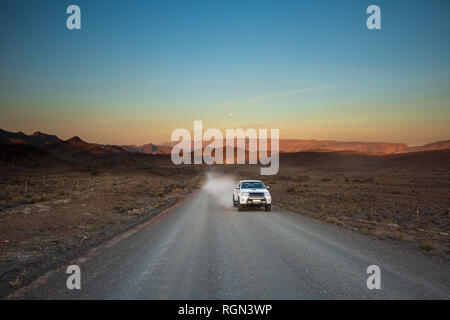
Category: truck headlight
[245,194]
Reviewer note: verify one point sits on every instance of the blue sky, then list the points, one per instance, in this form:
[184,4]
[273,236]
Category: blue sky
[139,69]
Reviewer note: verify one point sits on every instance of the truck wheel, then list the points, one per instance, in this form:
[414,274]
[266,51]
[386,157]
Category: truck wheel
[269,207]
[234,202]
[240,206]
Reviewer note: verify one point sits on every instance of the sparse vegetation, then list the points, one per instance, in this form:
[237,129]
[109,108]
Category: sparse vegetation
[364,230]
[43,218]
[427,246]
[94,172]
[363,180]
[402,205]
[290,190]
[18,200]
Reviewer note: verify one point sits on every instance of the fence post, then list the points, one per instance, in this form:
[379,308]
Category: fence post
[393,215]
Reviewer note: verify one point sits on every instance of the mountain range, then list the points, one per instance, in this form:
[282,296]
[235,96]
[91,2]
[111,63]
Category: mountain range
[75,149]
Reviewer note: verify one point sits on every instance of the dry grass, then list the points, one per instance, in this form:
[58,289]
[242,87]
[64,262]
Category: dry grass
[404,206]
[427,246]
[76,210]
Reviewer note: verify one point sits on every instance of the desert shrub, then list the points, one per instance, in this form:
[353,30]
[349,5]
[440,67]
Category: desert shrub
[18,200]
[333,220]
[366,180]
[427,246]
[326,179]
[290,190]
[34,199]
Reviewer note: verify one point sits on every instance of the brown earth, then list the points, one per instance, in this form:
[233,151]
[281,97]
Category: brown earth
[64,213]
[404,198]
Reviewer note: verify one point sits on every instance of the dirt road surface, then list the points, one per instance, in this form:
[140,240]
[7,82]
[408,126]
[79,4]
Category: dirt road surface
[206,249]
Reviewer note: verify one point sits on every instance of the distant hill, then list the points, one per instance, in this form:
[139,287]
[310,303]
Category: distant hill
[440,145]
[37,139]
[345,160]
[149,148]
[20,157]
[372,148]
[289,146]
[19,151]
[74,149]
[77,150]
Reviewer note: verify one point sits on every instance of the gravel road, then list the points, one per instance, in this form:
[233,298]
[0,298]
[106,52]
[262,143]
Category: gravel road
[206,249]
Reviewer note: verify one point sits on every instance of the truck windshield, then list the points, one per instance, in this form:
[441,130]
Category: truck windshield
[252,185]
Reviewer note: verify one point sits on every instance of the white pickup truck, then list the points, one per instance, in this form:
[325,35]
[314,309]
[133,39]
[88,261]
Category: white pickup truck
[252,193]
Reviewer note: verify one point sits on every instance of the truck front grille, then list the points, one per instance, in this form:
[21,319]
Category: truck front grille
[256,194]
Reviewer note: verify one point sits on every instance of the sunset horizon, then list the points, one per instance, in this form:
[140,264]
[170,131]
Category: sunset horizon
[230,65]
[167,141]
